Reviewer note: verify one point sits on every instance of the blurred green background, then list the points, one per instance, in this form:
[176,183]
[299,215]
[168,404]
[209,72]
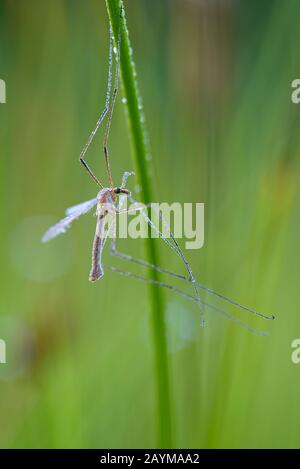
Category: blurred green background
[215,77]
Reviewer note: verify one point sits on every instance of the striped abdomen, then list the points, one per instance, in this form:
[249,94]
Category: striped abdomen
[96,269]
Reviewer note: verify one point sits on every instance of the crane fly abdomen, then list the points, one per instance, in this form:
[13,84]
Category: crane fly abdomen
[96,270]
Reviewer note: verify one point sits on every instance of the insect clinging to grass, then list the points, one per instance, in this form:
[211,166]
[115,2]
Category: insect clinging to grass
[106,204]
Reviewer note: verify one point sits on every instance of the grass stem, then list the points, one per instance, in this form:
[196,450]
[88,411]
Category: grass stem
[142,165]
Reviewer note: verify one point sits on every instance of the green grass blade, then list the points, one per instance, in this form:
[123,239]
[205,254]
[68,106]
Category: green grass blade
[142,164]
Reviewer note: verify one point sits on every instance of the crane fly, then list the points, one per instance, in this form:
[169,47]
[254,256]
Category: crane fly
[106,197]
[106,204]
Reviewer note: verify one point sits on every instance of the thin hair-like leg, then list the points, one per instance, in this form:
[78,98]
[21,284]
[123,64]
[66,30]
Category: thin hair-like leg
[176,248]
[196,284]
[112,104]
[143,263]
[188,297]
[125,176]
[103,114]
[200,286]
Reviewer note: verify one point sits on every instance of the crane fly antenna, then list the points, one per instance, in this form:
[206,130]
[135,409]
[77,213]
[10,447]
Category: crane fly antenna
[102,115]
[112,104]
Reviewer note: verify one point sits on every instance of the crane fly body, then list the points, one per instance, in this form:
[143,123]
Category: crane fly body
[105,204]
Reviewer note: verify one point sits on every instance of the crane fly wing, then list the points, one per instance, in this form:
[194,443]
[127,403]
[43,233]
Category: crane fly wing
[81,208]
[59,228]
[72,214]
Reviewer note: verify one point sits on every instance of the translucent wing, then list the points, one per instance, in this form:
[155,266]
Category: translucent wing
[81,208]
[72,214]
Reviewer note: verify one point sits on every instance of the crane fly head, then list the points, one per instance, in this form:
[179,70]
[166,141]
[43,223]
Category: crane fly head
[107,194]
[107,197]
[121,190]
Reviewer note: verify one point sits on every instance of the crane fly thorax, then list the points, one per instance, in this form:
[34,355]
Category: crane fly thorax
[106,201]
[106,195]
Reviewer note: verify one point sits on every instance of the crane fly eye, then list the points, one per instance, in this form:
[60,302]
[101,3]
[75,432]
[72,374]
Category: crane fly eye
[119,190]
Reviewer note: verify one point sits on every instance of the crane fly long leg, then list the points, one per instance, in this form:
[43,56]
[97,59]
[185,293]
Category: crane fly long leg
[103,114]
[189,279]
[112,104]
[126,257]
[125,176]
[176,248]
[188,297]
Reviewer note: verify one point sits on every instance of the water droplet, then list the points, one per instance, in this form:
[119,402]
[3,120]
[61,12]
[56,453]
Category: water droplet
[115,50]
[124,100]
